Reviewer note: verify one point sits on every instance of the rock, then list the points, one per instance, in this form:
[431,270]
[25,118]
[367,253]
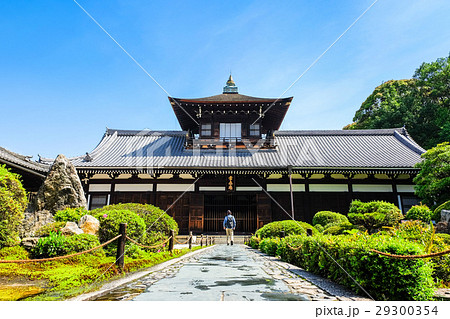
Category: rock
[62,188]
[442,227]
[89,224]
[33,221]
[71,228]
[445,216]
[29,242]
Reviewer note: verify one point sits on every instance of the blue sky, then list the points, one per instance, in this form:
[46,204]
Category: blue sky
[63,80]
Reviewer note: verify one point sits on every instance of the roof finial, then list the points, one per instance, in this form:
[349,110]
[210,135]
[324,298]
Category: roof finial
[231,86]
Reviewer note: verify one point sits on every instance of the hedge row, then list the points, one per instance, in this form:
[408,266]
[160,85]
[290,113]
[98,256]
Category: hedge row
[383,277]
[290,227]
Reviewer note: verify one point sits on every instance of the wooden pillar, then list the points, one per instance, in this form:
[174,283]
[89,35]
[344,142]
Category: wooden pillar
[291,191]
[120,256]
[172,237]
[190,240]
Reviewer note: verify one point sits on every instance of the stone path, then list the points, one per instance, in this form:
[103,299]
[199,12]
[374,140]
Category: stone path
[228,273]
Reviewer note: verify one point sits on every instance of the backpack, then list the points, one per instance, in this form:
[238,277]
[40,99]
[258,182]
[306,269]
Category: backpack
[229,222]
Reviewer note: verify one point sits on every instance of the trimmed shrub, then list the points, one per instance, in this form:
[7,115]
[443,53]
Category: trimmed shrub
[383,277]
[110,222]
[290,227]
[374,215]
[436,216]
[338,229]
[45,230]
[13,202]
[70,214]
[269,246]
[254,242]
[82,242]
[51,246]
[419,212]
[319,228]
[157,223]
[326,217]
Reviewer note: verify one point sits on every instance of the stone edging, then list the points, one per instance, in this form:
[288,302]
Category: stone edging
[134,276]
[334,289]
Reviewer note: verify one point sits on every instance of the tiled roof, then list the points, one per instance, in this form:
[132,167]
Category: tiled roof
[354,149]
[230,98]
[22,162]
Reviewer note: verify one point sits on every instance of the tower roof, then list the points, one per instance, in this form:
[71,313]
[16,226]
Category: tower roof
[231,87]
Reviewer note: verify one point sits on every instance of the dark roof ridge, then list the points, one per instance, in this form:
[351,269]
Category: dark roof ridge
[231,97]
[143,132]
[377,132]
[406,140]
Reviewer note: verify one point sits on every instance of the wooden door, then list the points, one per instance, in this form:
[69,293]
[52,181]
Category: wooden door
[264,215]
[196,213]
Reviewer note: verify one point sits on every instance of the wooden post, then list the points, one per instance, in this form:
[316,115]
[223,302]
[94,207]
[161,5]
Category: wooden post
[206,240]
[120,256]
[190,240]
[308,232]
[290,189]
[172,236]
[201,240]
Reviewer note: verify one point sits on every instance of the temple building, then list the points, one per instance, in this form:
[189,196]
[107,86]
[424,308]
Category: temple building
[230,154]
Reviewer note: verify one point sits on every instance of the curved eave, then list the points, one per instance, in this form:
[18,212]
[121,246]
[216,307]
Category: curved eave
[249,171]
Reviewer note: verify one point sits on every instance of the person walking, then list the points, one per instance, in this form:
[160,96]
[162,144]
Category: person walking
[229,224]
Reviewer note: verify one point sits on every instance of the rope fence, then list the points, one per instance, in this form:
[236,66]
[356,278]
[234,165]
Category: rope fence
[150,247]
[121,240]
[59,257]
[445,252]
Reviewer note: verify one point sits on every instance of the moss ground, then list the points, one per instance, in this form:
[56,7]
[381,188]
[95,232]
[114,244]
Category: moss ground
[63,279]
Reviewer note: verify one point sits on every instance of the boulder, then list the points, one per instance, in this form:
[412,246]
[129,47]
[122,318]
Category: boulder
[33,221]
[62,188]
[29,242]
[445,216]
[89,224]
[442,227]
[71,228]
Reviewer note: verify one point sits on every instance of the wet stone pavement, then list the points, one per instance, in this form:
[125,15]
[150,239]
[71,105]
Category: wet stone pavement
[220,273]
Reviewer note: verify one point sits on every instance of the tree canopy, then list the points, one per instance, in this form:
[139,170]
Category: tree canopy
[421,104]
[433,180]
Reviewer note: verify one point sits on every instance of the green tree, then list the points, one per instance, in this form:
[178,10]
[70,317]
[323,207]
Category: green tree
[13,201]
[421,104]
[433,180]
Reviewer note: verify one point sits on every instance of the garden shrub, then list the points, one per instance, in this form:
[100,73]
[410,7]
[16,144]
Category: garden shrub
[70,214]
[14,253]
[290,227]
[110,221]
[436,216]
[374,215]
[319,228]
[58,245]
[415,230]
[82,242]
[254,242]
[269,246]
[383,277]
[419,212]
[45,230]
[326,217]
[444,237]
[51,246]
[13,202]
[158,224]
[338,229]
